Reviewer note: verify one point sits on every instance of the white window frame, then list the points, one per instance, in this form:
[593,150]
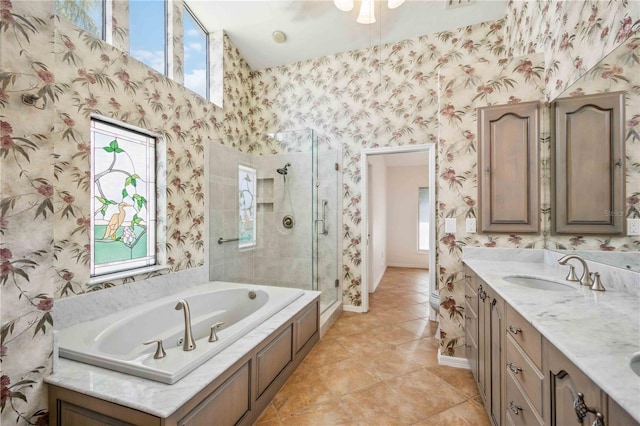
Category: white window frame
[207,59]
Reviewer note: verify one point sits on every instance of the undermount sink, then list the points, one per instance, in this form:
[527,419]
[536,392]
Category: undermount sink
[635,364]
[538,283]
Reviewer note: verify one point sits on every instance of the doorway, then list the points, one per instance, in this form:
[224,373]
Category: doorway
[374,250]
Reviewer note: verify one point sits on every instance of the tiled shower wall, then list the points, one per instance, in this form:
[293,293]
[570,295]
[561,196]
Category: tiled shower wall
[281,256]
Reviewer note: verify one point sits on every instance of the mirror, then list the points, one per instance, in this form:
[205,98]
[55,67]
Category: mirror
[618,71]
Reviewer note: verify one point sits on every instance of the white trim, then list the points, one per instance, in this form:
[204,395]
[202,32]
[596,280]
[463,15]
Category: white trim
[351,308]
[407,265]
[126,274]
[451,361]
[430,148]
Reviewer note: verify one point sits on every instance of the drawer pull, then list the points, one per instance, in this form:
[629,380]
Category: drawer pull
[514,368]
[467,297]
[513,407]
[514,330]
[466,318]
[468,277]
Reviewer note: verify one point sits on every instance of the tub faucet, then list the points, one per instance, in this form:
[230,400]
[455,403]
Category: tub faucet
[585,279]
[188,344]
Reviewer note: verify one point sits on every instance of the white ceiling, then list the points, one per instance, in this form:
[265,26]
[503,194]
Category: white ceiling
[316,28]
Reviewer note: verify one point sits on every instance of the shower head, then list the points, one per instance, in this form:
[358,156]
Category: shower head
[283,171]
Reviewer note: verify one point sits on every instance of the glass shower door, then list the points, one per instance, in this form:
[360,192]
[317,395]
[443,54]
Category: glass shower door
[326,209]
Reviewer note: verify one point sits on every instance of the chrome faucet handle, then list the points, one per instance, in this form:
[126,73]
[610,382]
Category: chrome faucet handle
[160,353]
[572,274]
[597,284]
[213,337]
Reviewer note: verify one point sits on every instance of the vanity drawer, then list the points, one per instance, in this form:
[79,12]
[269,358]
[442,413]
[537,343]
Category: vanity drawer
[519,411]
[524,335]
[520,367]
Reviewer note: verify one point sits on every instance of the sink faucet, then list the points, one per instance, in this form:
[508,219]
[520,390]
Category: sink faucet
[188,344]
[585,279]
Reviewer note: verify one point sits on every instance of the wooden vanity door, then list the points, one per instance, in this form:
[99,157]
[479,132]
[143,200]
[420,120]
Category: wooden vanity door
[564,382]
[508,177]
[588,164]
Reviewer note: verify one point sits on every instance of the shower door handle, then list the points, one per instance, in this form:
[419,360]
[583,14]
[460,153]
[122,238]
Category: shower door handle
[320,227]
[322,230]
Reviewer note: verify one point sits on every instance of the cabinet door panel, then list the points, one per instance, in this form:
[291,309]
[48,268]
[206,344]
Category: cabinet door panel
[274,358]
[227,405]
[508,168]
[589,164]
[565,382]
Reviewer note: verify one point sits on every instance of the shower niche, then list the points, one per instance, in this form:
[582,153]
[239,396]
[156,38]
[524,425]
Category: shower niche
[265,195]
[296,213]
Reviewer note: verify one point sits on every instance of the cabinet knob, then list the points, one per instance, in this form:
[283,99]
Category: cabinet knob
[514,368]
[514,330]
[513,407]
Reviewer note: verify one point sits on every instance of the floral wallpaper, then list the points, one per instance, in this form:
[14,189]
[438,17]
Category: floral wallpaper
[45,181]
[574,35]
[412,92]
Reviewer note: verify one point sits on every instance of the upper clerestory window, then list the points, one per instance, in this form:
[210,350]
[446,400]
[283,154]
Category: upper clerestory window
[148,33]
[196,71]
[88,15]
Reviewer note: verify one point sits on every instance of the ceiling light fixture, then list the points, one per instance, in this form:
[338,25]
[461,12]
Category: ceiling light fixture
[367,9]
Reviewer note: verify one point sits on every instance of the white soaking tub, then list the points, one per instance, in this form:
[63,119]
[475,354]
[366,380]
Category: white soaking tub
[116,341]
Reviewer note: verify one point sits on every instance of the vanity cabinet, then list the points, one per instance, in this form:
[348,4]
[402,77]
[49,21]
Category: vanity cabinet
[484,317]
[508,176]
[523,379]
[237,397]
[588,164]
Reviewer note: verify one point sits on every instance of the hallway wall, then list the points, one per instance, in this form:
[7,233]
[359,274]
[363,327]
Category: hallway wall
[403,184]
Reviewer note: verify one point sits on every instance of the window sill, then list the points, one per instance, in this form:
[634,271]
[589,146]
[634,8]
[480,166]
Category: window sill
[126,274]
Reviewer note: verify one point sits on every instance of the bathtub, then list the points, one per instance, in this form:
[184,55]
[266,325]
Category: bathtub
[116,341]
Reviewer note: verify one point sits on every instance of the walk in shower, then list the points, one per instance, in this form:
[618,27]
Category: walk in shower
[274,218]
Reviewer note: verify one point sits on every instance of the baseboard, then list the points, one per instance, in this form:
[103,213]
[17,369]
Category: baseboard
[351,308]
[451,361]
[408,265]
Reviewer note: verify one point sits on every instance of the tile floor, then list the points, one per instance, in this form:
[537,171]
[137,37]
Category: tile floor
[379,368]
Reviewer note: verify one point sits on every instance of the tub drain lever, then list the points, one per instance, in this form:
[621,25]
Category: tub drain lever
[160,353]
[213,337]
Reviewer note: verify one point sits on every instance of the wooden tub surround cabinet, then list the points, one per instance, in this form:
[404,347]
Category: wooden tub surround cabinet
[236,397]
[526,376]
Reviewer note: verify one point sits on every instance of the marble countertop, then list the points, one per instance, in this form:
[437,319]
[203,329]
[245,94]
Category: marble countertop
[598,331]
[157,398]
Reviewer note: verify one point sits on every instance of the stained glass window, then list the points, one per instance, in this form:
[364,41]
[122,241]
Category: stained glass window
[247,206]
[123,199]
